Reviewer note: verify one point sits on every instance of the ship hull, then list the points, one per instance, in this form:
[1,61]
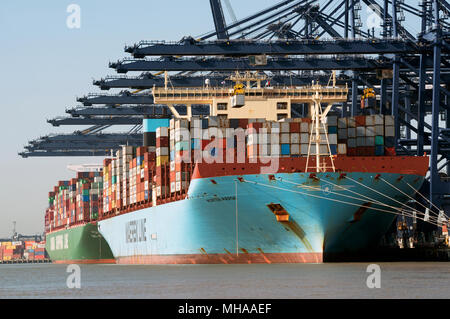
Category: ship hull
[81,244]
[206,227]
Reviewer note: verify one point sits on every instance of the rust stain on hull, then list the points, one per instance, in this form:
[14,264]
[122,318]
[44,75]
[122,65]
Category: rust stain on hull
[254,258]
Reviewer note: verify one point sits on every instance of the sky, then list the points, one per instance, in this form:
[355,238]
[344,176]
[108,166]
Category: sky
[45,65]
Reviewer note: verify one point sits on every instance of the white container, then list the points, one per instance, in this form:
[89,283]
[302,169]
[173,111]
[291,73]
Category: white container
[332,138]
[370,120]
[304,138]
[275,149]
[360,131]
[275,126]
[264,138]
[370,131]
[378,119]
[161,151]
[389,120]
[295,149]
[389,131]
[342,149]
[285,138]
[285,127]
[351,122]
[181,123]
[237,100]
[196,122]
[264,149]
[162,132]
[304,127]
[379,130]
[295,138]
[304,149]
[252,139]
[274,138]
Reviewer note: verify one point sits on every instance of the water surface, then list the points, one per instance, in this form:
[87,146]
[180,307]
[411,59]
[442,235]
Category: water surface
[332,280]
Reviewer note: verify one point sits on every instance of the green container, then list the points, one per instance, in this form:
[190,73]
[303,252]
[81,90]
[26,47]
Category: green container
[379,140]
[85,191]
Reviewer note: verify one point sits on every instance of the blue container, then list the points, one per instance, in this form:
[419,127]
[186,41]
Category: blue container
[195,143]
[85,198]
[379,140]
[332,129]
[285,149]
[150,125]
[172,155]
[379,150]
[333,149]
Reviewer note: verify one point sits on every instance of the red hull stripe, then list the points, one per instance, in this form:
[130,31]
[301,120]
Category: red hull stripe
[408,165]
[249,258]
[85,261]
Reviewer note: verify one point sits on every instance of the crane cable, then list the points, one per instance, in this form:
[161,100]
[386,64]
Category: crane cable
[390,198]
[374,201]
[410,197]
[413,210]
[331,199]
[422,195]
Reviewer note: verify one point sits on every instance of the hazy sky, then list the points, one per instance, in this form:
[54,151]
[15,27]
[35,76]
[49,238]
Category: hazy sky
[45,66]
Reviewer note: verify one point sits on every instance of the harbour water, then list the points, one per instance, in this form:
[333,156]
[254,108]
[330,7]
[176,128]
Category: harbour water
[332,280]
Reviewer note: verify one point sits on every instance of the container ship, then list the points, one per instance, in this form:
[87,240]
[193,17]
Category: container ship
[70,221]
[249,183]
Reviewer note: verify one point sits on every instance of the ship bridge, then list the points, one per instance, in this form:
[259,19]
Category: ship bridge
[270,103]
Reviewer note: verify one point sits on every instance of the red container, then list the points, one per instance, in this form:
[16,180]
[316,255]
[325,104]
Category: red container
[162,141]
[294,127]
[243,123]
[351,151]
[369,151]
[360,120]
[306,120]
[389,151]
[255,126]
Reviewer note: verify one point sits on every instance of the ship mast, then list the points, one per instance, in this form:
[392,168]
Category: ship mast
[318,131]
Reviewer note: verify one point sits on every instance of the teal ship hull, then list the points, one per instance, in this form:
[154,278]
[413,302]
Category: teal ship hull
[258,218]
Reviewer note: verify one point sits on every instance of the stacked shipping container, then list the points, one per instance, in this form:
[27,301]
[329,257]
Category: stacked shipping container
[161,173]
[75,201]
[28,250]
